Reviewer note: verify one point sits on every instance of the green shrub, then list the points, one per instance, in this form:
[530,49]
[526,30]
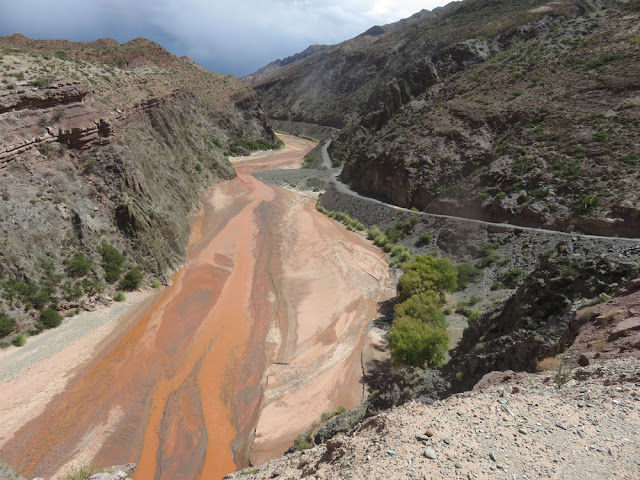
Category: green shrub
[42,82]
[19,340]
[467,274]
[50,318]
[474,300]
[588,204]
[131,280]
[328,415]
[393,234]
[414,343]
[7,325]
[423,306]
[424,239]
[41,299]
[401,252]
[302,442]
[547,253]
[496,285]
[425,273]
[473,314]
[489,255]
[112,261]
[381,240]
[90,287]
[155,284]
[119,297]
[511,277]
[72,291]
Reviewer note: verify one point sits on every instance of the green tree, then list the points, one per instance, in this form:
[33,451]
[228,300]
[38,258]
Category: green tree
[426,273]
[423,306]
[414,343]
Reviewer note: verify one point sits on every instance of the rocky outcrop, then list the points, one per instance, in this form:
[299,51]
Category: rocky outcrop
[534,321]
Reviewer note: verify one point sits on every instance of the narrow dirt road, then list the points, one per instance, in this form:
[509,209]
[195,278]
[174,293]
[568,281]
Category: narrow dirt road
[180,389]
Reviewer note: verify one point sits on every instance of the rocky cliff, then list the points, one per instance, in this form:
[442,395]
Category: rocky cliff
[102,142]
[519,111]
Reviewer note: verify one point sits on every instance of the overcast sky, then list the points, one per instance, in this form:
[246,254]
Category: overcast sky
[226,36]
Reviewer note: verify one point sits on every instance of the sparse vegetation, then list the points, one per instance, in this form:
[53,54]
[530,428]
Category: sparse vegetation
[548,363]
[83,472]
[112,261]
[329,415]
[119,296]
[489,255]
[466,274]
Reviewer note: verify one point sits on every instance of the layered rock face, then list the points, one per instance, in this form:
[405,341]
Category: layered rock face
[505,111]
[102,142]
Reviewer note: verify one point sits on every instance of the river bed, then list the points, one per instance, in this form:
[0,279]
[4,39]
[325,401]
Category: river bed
[258,334]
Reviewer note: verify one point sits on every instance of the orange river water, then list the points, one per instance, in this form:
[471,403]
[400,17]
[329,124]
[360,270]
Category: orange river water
[258,334]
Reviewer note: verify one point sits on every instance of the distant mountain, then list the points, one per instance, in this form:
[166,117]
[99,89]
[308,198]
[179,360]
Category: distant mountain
[275,65]
[372,32]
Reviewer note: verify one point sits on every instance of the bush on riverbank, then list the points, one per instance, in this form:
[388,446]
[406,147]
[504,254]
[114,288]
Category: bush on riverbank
[415,343]
[7,325]
[351,224]
[418,334]
[50,318]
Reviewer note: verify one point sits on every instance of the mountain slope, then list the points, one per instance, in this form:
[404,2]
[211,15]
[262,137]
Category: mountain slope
[544,134]
[106,143]
[509,111]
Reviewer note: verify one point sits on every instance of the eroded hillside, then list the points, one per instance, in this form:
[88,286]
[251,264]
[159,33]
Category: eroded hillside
[102,143]
[522,111]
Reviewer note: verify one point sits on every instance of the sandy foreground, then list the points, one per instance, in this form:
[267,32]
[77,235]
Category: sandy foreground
[258,334]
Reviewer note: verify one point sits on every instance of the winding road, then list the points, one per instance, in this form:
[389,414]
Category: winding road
[333,175]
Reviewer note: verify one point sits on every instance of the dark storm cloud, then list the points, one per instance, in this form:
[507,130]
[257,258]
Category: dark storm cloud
[226,36]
